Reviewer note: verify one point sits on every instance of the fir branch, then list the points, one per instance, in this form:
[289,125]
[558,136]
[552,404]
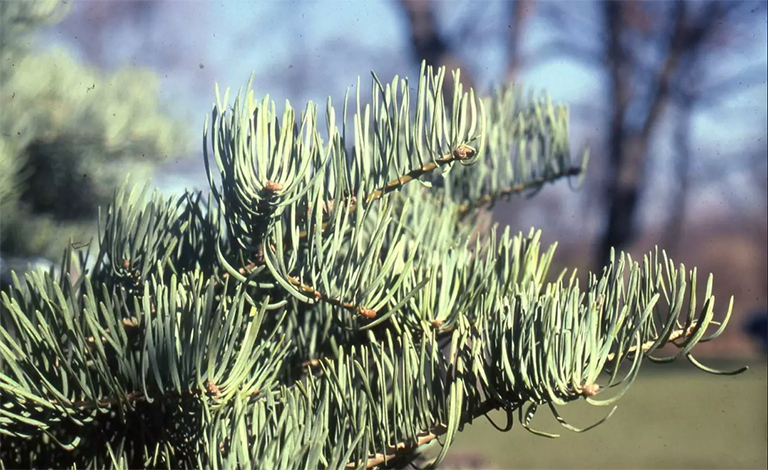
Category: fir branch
[460,153]
[319,296]
[674,335]
[315,294]
[519,188]
[477,326]
[403,449]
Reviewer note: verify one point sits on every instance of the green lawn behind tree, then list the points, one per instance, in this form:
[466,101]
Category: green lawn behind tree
[669,418]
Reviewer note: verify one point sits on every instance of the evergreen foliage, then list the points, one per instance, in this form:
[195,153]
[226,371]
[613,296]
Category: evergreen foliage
[70,134]
[332,302]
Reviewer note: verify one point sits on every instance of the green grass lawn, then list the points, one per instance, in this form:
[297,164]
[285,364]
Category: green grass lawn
[673,416]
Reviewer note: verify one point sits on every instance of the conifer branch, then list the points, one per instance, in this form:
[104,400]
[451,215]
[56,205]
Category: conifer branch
[402,449]
[319,296]
[461,153]
[519,188]
[514,337]
[676,334]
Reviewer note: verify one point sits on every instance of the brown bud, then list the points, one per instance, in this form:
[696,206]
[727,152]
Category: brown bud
[272,186]
[366,312]
[213,389]
[590,390]
[463,152]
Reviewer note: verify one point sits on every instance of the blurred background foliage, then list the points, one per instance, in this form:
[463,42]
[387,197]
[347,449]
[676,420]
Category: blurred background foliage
[71,135]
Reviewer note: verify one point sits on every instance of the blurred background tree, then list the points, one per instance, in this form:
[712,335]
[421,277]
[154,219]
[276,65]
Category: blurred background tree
[71,133]
[658,57]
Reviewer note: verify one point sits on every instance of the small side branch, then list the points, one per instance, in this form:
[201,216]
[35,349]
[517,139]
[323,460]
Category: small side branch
[572,171]
[402,448]
[319,296]
[460,153]
[676,334]
[484,408]
[211,390]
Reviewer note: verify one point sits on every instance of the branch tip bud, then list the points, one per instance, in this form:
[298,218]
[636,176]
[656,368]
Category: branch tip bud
[212,389]
[463,152]
[272,186]
[590,390]
[366,312]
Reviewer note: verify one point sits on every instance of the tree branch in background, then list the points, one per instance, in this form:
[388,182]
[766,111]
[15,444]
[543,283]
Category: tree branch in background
[521,11]
[689,94]
[430,46]
[712,94]
[682,164]
[629,145]
[619,199]
[562,48]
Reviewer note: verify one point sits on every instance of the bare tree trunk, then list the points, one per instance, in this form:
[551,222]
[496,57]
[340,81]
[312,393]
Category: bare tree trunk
[520,11]
[679,201]
[628,147]
[622,197]
[428,45]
